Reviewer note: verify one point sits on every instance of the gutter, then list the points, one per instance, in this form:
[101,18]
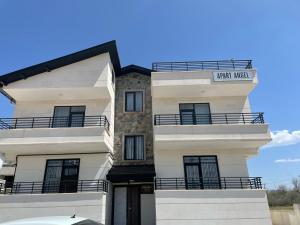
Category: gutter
[11,99]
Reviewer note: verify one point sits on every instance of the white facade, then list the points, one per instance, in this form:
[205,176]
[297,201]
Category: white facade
[86,83]
[230,134]
[88,205]
[210,207]
[93,166]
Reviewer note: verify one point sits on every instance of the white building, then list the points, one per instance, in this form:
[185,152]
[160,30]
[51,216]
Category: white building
[132,146]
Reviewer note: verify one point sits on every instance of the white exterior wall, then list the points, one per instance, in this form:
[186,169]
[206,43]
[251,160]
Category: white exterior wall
[92,166]
[94,107]
[92,72]
[88,82]
[169,163]
[238,104]
[147,209]
[212,207]
[88,205]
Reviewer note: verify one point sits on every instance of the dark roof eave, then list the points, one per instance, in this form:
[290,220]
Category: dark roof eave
[108,47]
[131,173]
[134,68]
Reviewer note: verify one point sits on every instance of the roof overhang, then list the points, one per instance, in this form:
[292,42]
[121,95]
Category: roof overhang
[108,47]
[135,69]
[120,174]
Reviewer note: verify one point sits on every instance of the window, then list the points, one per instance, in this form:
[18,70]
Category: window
[68,116]
[201,172]
[61,175]
[134,147]
[134,101]
[195,113]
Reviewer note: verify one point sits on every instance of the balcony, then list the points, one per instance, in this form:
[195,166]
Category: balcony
[203,78]
[210,131]
[54,187]
[201,65]
[223,200]
[29,199]
[213,118]
[208,183]
[54,122]
[38,135]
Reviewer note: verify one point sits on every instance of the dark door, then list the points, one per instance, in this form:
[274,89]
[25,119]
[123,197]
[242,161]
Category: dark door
[61,175]
[68,116]
[133,205]
[201,172]
[69,176]
[195,113]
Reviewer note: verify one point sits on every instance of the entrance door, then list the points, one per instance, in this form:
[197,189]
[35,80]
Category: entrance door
[133,205]
[127,205]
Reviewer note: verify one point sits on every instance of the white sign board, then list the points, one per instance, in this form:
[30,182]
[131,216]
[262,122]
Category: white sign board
[233,75]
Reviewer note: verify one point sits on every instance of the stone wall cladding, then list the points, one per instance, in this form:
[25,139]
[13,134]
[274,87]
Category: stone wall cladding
[127,123]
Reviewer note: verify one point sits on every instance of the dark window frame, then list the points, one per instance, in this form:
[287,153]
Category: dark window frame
[134,101]
[194,118]
[70,114]
[201,183]
[134,147]
[62,170]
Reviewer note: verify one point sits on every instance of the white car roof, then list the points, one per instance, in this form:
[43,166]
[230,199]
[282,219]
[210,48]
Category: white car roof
[53,220]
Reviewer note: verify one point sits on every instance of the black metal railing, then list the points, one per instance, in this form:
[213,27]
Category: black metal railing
[208,183]
[202,65]
[213,118]
[70,186]
[54,122]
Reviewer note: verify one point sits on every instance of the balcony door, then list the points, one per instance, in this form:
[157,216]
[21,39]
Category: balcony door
[194,113]
[201,172]
[61,175]
[68,116]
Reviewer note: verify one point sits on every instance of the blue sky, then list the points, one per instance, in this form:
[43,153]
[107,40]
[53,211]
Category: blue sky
[146,31]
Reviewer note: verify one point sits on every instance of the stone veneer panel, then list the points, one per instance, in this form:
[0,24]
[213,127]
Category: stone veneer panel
[127,123]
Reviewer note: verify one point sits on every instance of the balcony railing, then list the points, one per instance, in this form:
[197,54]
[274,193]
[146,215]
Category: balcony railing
[201,65]
[213,118]
[70,186]
[54,122]
[208,183]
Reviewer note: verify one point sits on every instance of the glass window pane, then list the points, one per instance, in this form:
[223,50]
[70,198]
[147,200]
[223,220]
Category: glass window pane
[61,111]
[53,176]
[186,106]
[202,113]
[139,147]
[210,173]
[71,162]
[129,102]
[78,109]
[129,147]
[139,101]
[77,120]
[61,116]
[192,176]
[187,117]
[191,159]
